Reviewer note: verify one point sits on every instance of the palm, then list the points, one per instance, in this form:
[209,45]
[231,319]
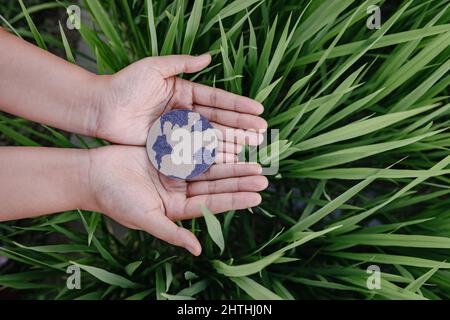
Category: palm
[140,93]
[131,190]
[140,97]
[136,195]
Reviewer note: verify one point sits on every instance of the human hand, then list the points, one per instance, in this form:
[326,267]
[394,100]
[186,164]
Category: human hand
[132,99]
[127,188]
[119,107]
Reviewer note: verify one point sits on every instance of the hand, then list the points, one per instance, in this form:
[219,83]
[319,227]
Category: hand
[132,99]
[127,188]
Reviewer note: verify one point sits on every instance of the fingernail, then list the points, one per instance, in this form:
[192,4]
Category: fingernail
[259,199]
[261,108]
[204,55]
[260,169]
[255,201]
[193,249]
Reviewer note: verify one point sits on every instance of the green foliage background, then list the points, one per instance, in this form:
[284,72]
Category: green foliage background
[364,173]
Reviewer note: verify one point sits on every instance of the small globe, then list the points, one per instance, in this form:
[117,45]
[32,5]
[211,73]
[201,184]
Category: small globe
[182,144]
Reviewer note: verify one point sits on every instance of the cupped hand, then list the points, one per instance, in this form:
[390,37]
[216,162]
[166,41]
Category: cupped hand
[132,99]
[127,188]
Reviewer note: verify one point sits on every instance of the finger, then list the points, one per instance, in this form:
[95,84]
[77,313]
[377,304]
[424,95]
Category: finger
[221,171]
[226,158]
[228,147]
[164,229]
[220,202]
[241,184]
[231,118]
[214,97]
[238,136]
[172,65]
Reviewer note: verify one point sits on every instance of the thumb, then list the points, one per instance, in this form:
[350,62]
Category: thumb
[166,230]
[172,65]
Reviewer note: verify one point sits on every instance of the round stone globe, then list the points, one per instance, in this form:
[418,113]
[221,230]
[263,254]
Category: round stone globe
[182,144]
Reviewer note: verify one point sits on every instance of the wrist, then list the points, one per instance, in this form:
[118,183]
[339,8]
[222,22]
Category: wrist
[85,180]
[96,102]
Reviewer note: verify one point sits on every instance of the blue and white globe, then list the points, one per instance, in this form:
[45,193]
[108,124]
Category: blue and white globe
[182,144]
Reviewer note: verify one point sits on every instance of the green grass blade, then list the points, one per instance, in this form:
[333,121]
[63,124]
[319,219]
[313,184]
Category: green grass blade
[67,48]
[254,289]
[192,26]
[106,276]
[214,228]
[37,36]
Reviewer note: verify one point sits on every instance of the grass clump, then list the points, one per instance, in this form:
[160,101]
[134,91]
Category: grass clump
[364,171]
